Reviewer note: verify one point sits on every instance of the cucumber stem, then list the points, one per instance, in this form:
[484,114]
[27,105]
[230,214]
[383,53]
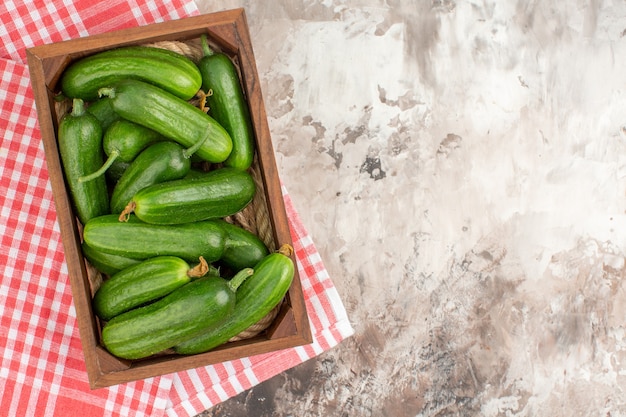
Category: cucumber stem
[199,270]
[187,153]
[114,154]
[125,214]
[213,271]
[239,278]
[203,99]
[106,92]
[286,250]
[78,107]
[205,46]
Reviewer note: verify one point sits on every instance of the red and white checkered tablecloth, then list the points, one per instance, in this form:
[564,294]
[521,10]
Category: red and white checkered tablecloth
[42,369]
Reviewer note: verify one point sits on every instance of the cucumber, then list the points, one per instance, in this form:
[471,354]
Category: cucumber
[217,194]
[142,283]
[80,148]
[242,249]
[105,262]
[170,116]
[195,172]
[104,112]
[256,297]
[228,105]
[162,161]
[166,69]
[122,142]
[116,170]
[184,313]
[138,240]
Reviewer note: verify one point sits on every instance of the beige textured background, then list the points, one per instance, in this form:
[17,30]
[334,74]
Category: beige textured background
[461,166]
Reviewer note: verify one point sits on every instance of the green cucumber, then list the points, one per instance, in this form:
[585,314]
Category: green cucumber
[184,313]
[162,161]
[104,112]
[228,105]
[170,116]
[138,240]
[122,142]
[80,148]
[166,69]
[105,262]
[256,297]
[116,170]
[142,283]
[195,172]
[242,249]
[217,194]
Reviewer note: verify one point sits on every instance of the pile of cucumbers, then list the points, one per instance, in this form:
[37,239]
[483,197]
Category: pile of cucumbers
[151,178]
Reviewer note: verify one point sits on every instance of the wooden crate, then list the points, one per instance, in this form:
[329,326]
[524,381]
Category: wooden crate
[229,32]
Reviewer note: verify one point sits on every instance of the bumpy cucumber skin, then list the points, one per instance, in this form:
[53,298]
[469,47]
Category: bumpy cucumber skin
[217,194]
[170,116]
[186,312]
[168,70]
[105,262]
[139,284]
[80,147]
[243,249]
[256,297]
[128,139]
[138,240]
[229,107]
[162,161]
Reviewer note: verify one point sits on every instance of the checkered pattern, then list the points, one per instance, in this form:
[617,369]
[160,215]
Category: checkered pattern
[42,369]
[24,24]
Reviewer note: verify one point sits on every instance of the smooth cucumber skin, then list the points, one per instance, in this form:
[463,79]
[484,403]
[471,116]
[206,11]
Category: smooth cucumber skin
[105,262]
[128,139]
[138,240]
[217,194]
[256,297]
[242,249]
[80,148]
[159,162]
[168,70]
[104,112]
[170,116]
[186,312]
[139,284]
[229,107]
[116,170]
